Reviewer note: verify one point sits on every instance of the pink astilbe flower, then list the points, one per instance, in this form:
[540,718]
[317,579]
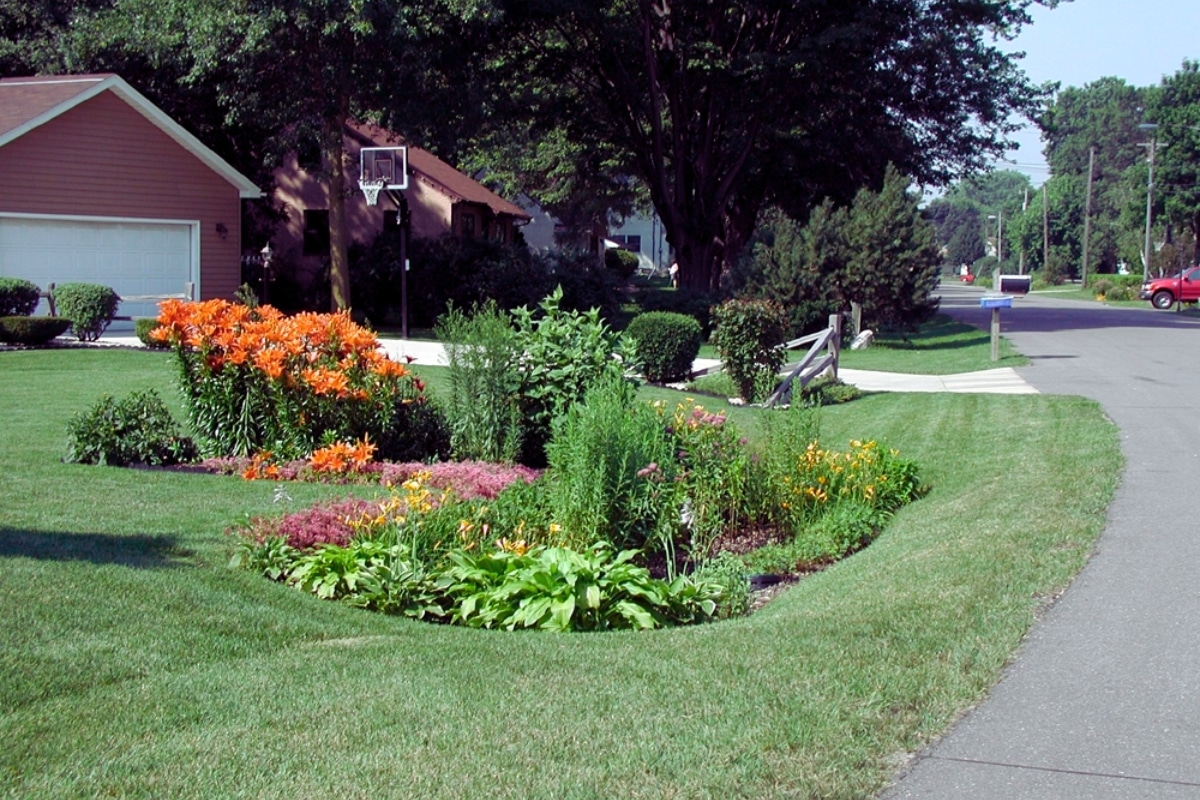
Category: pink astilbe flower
[327,523]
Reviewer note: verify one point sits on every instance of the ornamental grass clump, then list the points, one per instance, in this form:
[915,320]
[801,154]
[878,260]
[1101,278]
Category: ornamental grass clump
[254,380]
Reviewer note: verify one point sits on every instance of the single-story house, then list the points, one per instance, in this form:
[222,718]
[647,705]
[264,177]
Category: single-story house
[99,185]
[440,199]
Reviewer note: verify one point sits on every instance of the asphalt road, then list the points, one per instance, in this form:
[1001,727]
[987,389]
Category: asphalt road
[1103,699]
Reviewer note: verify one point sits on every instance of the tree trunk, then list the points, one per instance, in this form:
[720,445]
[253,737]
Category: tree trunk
[334,152]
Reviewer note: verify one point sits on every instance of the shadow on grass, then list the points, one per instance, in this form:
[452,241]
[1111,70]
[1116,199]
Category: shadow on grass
[139,551]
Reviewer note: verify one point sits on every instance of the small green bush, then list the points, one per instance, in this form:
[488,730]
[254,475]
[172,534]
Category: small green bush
[563,353]
[1102,287]
[90,307]
[136,430]
[622,262]
[829,391]
[33,331]
[666,345]
[748,336]
[142,328]
[18,297]
[1118,293]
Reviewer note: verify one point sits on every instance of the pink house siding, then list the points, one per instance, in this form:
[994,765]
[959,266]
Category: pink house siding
[439,197]
[122,166]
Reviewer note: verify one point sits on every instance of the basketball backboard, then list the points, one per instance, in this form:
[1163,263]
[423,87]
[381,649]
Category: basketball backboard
[388,165]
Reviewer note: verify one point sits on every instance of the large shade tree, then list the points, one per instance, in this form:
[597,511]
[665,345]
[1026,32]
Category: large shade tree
[722,107]
[291,73]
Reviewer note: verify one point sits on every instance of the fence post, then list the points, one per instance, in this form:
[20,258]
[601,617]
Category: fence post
[835,341]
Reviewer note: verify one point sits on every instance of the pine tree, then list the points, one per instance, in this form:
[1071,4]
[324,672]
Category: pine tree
[893,258]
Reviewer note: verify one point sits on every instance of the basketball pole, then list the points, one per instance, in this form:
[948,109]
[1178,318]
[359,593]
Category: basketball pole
[402,220]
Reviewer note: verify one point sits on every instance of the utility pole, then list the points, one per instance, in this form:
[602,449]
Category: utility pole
[1021,259]
[1045,229]
[1153,145]
[1087,215]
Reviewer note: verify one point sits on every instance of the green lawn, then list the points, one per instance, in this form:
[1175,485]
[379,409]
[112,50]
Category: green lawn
[941,347]
[134,663]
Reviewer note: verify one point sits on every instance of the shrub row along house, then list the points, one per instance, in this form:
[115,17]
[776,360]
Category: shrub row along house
[99,185]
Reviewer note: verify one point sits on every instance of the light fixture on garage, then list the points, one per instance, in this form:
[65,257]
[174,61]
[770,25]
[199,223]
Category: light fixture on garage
[267,254]
[222,231]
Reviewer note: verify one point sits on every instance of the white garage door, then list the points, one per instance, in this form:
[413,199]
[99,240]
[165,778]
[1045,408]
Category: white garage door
[134,258]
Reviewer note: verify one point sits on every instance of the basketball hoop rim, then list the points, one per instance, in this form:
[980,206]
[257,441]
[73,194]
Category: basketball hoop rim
[371,190]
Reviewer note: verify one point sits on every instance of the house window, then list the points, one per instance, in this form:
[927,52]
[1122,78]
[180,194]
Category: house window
[308,154]
[468,226]
[631,243]
[316,232]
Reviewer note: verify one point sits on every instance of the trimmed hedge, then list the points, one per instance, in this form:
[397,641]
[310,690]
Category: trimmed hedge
[666,345]
[32,331]
[89,306]
[142,328]
[18,297]
[622,262]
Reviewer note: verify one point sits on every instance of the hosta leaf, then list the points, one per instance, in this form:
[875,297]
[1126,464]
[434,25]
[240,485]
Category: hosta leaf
[560,617]
[638,616]
[592,594]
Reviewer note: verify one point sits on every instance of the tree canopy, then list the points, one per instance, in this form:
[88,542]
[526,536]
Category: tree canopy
[722,107]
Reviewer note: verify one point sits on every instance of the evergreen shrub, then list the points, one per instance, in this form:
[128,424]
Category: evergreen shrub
[142,328]
[90,307]
[666,345]
[18,297]
[622,262]
[32,331]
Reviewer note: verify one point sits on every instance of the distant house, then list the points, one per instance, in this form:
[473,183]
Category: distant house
[441,200]
[99,185]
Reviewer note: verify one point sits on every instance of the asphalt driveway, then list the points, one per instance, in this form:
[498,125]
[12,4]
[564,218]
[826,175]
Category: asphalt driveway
[1103,700]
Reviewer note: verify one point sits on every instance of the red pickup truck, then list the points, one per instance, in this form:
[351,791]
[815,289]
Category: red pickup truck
[1163,292]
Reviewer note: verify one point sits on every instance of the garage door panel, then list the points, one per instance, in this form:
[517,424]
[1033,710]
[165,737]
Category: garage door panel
[134,258]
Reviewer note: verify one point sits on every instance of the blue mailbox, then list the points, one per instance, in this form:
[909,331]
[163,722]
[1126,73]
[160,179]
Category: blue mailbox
[995,301]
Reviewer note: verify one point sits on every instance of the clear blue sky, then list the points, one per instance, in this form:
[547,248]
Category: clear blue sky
[1140,41]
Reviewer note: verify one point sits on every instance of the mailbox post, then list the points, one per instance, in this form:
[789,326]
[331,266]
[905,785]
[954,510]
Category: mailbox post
[995,303]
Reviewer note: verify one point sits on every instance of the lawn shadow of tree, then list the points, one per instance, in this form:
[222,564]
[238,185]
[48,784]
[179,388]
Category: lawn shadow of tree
[140,551]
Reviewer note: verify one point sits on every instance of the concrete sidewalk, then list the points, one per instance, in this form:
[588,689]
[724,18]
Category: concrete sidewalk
[992,381]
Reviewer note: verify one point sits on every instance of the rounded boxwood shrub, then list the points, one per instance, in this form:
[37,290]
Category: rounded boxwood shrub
[622,262]
[142,328]
[90,307]
[666,345]
[32,331]
[18,297]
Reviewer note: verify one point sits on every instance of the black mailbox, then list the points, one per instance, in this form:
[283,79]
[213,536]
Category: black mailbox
[1014,284]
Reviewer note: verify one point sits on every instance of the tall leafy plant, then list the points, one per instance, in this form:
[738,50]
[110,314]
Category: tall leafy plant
[612,471]
[253,379]
[563,353]
[482,408]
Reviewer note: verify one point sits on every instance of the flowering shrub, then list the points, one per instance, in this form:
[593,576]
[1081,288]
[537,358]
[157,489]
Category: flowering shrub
[254,380]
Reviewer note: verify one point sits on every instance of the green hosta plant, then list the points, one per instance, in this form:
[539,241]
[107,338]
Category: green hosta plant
[554,588]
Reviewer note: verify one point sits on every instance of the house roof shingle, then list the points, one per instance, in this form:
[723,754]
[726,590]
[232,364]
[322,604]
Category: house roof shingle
[432,168]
